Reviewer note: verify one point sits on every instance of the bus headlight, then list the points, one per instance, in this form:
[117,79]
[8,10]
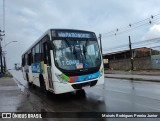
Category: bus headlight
[62,80]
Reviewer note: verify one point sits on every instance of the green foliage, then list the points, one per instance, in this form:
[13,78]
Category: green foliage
[7,74]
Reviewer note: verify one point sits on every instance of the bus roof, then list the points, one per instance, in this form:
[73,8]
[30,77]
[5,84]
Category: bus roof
[70,30]
[49,33]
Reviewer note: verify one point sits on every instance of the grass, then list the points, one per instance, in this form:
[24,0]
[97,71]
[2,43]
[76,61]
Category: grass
[7,74]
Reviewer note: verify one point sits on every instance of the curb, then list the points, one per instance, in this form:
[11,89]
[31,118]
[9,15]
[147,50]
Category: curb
[136,79]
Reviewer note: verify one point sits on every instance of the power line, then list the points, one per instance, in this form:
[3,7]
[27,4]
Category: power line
[136,25]
[130,29]
[135,44]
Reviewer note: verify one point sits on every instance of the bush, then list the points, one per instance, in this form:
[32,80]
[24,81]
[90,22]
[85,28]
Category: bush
[7,74]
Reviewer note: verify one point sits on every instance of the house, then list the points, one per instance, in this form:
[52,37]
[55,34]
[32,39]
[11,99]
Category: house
[143,58]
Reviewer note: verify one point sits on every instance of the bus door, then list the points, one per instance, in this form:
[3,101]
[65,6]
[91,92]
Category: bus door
[47,61]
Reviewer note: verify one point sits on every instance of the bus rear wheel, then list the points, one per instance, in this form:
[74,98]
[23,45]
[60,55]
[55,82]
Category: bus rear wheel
[28,80]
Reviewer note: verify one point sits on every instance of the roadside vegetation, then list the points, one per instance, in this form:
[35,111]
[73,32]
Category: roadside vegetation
[7,74]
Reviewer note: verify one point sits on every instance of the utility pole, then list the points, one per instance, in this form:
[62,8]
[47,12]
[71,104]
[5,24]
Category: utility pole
[4,59]
[1,55]
[100,36]
[131,54]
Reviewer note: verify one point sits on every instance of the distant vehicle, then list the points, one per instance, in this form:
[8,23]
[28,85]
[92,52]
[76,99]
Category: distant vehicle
[64,60]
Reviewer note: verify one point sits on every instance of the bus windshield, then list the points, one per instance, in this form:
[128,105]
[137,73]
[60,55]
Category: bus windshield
[73,54]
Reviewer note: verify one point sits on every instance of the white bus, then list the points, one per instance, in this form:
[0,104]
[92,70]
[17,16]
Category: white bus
[64,60]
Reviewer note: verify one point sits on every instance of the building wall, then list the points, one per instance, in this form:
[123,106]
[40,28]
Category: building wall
[119,64]
[155,61]
[142,63]
[125,64]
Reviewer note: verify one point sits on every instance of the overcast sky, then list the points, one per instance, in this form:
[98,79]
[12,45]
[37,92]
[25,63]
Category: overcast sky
[27,20]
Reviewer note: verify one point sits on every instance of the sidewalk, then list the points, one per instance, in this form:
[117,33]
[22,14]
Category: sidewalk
[144,75]
[13,99]
[10,95]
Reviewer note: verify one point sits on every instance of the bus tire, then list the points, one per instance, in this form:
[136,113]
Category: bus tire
[42,83]
[81,93]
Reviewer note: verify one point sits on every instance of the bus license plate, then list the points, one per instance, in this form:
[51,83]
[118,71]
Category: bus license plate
[86,86]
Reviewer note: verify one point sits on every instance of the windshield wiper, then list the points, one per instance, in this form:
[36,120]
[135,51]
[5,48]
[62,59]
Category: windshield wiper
[74,51]
[84,48]
[72,48]
[84,51]
[67,42]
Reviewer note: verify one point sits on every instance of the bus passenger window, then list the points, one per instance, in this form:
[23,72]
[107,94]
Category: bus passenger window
[33,53]
[47,59]
[29,59]
[37,53]
[23,60]
[26,59]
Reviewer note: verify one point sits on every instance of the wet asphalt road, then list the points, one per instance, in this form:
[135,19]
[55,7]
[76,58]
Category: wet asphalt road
[114,96]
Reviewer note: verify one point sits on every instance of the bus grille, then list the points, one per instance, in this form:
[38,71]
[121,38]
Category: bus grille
[79,86]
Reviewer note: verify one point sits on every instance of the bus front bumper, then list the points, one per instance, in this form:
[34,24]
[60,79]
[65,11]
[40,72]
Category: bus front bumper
[70,87]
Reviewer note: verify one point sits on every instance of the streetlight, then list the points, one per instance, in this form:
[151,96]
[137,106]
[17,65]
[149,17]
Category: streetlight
[9,43]
[4,54]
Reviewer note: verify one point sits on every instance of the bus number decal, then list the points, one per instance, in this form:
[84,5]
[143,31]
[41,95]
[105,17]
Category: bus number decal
[70,62]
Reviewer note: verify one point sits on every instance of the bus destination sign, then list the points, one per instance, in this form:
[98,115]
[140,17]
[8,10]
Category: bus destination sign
[76,34]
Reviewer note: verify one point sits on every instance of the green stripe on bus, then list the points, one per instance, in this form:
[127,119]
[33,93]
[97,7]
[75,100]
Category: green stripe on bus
[65,77]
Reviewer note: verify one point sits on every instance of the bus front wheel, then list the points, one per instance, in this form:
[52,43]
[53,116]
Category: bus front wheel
[81,93]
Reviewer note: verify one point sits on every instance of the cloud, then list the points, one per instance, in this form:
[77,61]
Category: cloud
[154,32]
[27,20]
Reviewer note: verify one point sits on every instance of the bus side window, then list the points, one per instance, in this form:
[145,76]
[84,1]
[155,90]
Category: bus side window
[33,53]
[29,59]
[26,59]
[47,59]
[23,60]
[37,53]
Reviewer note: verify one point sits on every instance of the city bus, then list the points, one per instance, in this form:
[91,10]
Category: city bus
[64,60]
